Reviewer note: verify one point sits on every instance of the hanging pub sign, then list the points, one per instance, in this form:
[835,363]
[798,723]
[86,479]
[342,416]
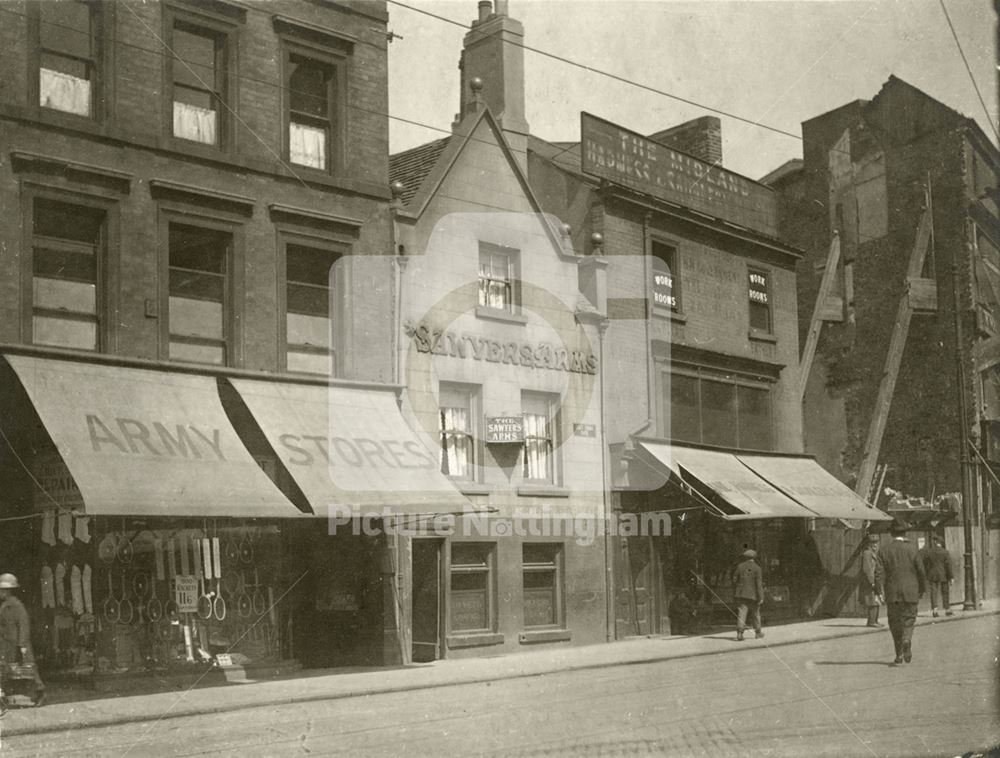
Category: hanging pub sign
[505,429]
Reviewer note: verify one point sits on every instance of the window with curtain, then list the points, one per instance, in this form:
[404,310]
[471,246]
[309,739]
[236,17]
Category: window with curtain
[456,429]
[542,584]
[199,294]
[198,75]
[539,449]
[67,241]
[472,602]
[308,310]
[312,97]
[497,286]
[68,55]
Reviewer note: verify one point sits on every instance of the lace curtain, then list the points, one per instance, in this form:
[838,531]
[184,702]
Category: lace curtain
[194,123]
[537,447]
[456,444]
[63,92]
[307,145]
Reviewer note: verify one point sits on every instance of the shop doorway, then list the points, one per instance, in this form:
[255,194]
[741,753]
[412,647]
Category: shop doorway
[644,584]
[427,604]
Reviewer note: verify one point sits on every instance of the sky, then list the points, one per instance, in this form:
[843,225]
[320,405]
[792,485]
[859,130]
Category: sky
[774,62]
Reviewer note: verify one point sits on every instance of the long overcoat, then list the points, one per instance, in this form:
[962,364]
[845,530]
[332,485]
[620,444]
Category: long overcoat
[903,571]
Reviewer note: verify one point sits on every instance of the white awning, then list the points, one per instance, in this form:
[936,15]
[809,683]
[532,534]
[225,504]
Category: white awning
[350,450]
[147,443]
[741,486]
[813,486]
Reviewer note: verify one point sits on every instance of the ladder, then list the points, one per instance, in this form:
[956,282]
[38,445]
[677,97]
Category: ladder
[894,358]
[821,312]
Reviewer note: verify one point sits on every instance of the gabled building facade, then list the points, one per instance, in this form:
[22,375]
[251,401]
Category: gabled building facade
[500,355]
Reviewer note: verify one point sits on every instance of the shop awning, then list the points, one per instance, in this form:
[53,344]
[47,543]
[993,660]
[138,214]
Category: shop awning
[759,486]
[147,443]
[350,450]
[811,485]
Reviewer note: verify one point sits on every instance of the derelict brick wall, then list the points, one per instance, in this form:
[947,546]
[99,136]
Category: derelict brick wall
[920,440]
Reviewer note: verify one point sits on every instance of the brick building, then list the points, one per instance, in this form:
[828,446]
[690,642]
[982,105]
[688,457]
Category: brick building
[197,353]
[910,187]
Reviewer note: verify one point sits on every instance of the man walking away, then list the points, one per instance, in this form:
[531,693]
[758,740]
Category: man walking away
[904,579]
[748,592]
[937,566]
[871,579]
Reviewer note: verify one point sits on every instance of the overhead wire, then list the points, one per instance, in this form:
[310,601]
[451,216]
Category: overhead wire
[610,75]
[968,68]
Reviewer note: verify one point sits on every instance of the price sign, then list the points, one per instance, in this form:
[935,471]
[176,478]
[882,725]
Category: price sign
[224,660]
[186,593]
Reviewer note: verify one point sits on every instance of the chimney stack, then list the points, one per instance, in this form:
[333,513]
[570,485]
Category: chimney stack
[492,51]
[700,137]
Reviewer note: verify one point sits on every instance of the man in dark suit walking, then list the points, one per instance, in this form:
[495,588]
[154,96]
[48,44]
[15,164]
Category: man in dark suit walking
[904,582]
[937,565]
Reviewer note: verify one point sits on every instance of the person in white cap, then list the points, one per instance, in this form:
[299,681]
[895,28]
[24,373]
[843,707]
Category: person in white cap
[748,592]
[15,632]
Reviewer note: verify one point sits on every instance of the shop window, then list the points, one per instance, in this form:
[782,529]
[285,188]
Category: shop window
[718,412]
[498,278]
[199,294]
[759,295]
[68,55]
[754,417]
[313,90]
[685,413]
[539,445]
[472,602]
[198,78]
[456,429]
[714,409]
[66,263]
[666,282]
[542,572]
[309,312]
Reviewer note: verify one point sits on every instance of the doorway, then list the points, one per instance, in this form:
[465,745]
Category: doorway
[427,605]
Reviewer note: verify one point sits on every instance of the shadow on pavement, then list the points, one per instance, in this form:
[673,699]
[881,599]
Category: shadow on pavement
[854,663]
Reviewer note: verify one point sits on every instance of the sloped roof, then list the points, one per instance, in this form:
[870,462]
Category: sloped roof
[785,169]
[412,166]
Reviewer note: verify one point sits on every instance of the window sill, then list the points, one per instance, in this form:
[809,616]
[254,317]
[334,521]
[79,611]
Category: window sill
[756,335]
[495,314]
[542,490]
[544,635]
[666,313]
[472,488]
[481,639]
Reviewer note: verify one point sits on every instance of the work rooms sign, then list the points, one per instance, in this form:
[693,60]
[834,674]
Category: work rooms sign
[625,157]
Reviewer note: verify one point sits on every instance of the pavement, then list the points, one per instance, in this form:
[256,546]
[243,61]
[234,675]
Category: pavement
[334,685]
